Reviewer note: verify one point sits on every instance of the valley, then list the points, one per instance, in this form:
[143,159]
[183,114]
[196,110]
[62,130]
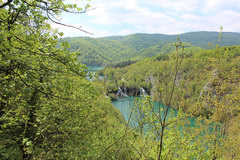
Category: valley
[134,96]
[109,50]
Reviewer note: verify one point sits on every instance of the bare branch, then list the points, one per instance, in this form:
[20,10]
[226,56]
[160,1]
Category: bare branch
[66,25]
[6,4]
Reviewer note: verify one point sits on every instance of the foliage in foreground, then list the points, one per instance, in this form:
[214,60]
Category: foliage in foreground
[48,108]
[50,111]
[204,84]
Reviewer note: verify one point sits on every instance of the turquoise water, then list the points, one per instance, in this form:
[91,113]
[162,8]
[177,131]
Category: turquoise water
[94,68]
[125,105]
[92,71]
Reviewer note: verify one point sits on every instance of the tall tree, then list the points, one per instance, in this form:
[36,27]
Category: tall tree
[48,110]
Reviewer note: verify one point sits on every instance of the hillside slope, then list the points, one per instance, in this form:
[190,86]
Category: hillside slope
[113,49]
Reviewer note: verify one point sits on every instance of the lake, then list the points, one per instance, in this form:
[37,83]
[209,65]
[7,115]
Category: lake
[92,71]
[124,105]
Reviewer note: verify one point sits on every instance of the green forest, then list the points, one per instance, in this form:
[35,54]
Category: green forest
[108,50]
[49,109]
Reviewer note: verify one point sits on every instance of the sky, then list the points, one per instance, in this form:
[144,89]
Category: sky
[124,17]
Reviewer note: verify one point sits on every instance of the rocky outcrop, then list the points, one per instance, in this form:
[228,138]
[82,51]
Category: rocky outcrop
[209,87]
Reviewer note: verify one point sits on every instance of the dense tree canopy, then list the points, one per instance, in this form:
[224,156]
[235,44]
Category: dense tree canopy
[206,87]
[115,49]
[48,109]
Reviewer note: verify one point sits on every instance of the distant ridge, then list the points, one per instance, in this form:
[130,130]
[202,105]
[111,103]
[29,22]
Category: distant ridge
[200,38]
[112,49]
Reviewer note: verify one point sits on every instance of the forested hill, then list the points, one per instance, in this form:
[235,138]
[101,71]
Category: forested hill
[108,50]
[142,40]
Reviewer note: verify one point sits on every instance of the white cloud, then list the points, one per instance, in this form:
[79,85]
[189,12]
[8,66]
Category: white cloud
[126,12]
[191,17]
[227,18]
[161,29]
[213,6]
[101,33]
[111,17]
[124,32]
[112,12]
[177,5]
[104,20]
